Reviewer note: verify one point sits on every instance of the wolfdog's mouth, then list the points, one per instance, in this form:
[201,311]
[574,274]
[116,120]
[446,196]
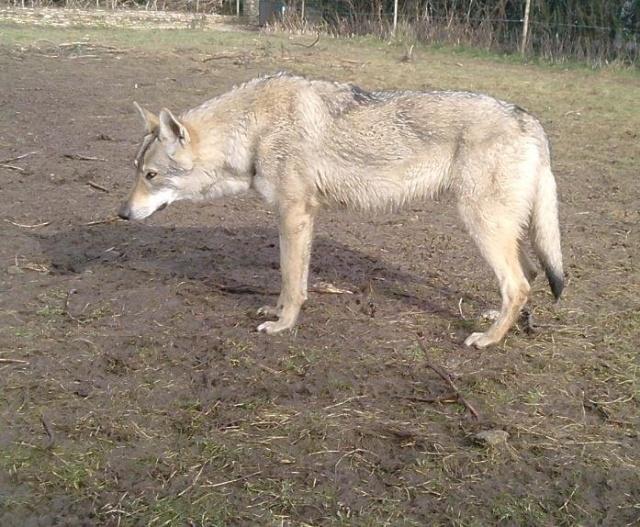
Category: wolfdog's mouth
[163,206]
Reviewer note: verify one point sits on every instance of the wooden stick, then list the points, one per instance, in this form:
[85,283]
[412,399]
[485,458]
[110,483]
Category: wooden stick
[28,226]
[97,187]
[9,160]
[525,28]
[243,290]
[446,376]
[195,480]
[320,288]
[47,429]
[228,482]
[12,167]
[13,361]
[81,157]
[225,55]
[100,222]
[450,397]
[307,45]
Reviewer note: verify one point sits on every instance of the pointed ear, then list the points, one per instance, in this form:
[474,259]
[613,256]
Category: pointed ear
[151,122]
[171,129]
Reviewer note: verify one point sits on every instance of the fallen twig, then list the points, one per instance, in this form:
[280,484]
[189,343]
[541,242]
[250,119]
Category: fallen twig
[225,55]
[9,160]
[38,268]
[90,45]
[97,187]
[47,429]
[268,369]
[408,56]
[446,376]
[228,482]
[12,167]
[195,480]
[307,45]
[244,290]
[81,157]
[327,288]
[13,361]
[460,309]
[347,400]
[100,222]
[74,44]
[450,397]
[318,287]
[24,226]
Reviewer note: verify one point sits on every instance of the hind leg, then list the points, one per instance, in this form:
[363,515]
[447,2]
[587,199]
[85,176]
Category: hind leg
[514,289]
[497,239]
[530,272]
[529,268]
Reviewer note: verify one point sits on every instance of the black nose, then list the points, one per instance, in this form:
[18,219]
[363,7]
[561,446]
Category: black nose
[124,212]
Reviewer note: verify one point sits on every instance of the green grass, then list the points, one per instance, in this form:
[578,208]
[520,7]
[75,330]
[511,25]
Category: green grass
[318,428]
[520,510]
[148,39]
[272,45]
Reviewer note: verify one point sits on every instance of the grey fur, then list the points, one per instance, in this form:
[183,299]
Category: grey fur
[304,145]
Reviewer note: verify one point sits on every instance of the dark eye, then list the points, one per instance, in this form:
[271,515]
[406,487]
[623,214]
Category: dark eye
[150,175]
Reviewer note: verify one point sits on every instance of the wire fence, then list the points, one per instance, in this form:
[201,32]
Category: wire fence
[593,31]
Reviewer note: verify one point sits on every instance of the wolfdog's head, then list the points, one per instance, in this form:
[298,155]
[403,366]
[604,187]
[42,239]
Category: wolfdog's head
[166,168]
[164,158]
[181,159]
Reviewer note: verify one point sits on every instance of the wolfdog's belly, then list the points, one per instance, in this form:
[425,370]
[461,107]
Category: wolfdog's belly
[382,186]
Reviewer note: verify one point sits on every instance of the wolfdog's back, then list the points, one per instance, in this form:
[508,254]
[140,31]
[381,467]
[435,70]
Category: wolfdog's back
[379,150]
[383,149]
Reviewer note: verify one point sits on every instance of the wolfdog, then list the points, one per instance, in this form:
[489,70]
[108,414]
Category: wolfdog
[304,145]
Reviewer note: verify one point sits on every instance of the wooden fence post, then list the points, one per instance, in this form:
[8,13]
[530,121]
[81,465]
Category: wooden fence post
[395,16]
[525,28]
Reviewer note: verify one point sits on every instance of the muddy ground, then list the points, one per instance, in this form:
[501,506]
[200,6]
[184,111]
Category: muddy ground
[136,391]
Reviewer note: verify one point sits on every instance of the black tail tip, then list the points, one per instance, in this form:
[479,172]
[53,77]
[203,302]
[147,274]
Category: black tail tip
[556,281]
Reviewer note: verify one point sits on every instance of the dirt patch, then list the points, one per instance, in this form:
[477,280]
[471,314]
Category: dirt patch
[135,390]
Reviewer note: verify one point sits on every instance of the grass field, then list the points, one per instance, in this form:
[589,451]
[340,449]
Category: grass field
[135,391]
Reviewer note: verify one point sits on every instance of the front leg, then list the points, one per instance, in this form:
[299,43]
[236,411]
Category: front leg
[296,230]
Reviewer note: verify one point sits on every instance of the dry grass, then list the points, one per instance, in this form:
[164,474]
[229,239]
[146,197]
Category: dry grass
[156,423]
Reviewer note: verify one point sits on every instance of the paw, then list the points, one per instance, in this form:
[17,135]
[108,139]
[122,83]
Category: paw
[269,311]
[273,327]
[479,340]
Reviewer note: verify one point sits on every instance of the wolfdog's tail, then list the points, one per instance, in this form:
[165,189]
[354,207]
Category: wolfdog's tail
[545,230]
